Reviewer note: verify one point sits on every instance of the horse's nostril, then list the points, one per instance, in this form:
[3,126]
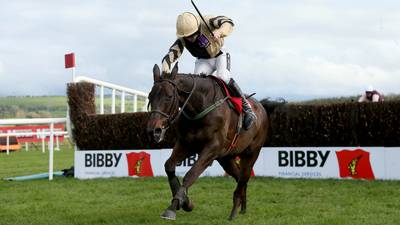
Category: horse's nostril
[157,131]
[149,133]
[158,134]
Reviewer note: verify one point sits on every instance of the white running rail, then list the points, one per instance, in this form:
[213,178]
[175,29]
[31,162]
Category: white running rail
[124,91]
[50,121]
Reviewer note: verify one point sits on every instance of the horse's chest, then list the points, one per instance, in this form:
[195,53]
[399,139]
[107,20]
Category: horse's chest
[193,135]
[200,132]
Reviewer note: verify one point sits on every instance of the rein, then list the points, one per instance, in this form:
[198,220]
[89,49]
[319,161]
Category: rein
[171,119]
[206,110]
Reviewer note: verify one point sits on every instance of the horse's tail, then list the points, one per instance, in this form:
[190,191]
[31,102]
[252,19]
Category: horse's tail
[270,106]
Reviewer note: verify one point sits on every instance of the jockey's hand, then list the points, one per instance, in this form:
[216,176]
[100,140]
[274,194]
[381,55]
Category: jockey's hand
[216,35]
[164,70]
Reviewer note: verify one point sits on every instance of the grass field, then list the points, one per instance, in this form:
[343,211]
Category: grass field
[33,106]
[140,201]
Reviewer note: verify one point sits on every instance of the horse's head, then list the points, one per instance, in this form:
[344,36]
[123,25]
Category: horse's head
[164,102]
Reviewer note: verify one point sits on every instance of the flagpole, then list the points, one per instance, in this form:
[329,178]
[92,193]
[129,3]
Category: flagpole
[73,74]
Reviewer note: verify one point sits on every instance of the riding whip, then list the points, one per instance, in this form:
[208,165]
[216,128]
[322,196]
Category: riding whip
[202,18]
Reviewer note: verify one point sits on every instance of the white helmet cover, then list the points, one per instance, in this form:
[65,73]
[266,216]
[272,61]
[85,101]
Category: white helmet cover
[186,24]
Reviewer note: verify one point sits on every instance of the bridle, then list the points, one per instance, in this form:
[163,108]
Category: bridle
[171,119]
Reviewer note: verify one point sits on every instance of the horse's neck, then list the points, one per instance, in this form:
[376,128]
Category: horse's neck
[203,94]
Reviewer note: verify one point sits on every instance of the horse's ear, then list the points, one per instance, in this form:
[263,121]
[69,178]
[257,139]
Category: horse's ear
[174,71]
[156,73]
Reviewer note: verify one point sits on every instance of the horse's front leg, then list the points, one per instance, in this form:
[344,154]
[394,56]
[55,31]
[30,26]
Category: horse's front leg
[205,158]
[178,154]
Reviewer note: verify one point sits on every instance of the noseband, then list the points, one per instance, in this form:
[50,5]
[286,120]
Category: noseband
[171,119]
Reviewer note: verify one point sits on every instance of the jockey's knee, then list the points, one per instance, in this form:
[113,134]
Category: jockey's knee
[223,76]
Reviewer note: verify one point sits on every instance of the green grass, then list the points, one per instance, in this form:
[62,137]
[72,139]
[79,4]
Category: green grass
[34,161]
[51,101]
[128,104]
[140,201]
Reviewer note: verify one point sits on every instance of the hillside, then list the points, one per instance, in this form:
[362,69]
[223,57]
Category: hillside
[48,106]
[33,106]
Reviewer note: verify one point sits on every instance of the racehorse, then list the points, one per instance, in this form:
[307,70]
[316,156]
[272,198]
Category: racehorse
[181,98]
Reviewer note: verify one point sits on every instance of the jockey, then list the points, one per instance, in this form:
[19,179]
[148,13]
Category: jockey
[194,35]
[371,95]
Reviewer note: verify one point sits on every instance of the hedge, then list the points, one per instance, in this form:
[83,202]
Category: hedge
[344,124]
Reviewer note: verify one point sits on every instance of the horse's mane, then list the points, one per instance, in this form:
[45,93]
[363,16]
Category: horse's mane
[209,82]
[201,76]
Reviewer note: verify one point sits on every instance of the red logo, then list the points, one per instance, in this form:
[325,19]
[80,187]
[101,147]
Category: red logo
[139,164]
[355,164]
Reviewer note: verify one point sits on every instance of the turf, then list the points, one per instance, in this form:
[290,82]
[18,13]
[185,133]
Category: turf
[141,200]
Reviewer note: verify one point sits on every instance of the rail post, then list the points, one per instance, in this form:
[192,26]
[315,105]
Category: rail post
[51,151]
[43,142]
[8,142]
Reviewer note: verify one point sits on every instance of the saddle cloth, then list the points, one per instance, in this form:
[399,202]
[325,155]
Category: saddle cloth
[236,102]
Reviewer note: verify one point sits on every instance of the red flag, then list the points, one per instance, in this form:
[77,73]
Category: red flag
[69,60]
[139,164]
[355,164]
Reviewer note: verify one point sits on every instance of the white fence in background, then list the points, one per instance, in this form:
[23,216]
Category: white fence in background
[50,121]
[41,134]
[114,88]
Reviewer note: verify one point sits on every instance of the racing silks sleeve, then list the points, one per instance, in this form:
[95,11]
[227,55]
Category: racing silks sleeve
[175,51]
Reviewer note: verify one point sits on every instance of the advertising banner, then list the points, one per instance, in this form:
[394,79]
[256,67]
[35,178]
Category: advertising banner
[306,162]
[133,163]
[322,162]
[391,163]
[39,129]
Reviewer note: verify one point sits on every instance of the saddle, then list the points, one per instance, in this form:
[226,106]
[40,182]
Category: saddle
[236,103]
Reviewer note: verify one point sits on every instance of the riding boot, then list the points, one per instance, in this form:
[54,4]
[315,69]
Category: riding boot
[249,115]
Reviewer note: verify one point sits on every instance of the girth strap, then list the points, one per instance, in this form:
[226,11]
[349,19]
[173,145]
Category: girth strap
[237,133]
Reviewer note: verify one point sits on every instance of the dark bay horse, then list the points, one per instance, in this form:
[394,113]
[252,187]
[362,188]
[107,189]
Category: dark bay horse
[180,97]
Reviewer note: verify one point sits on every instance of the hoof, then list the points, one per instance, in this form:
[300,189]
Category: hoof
[233,214]
[188,207]
[243,211]
[168,215]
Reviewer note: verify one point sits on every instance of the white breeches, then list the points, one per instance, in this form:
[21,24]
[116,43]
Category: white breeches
[219,66]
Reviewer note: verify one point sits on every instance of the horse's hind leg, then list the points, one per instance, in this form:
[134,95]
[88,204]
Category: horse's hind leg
[239,196]
[230,166]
